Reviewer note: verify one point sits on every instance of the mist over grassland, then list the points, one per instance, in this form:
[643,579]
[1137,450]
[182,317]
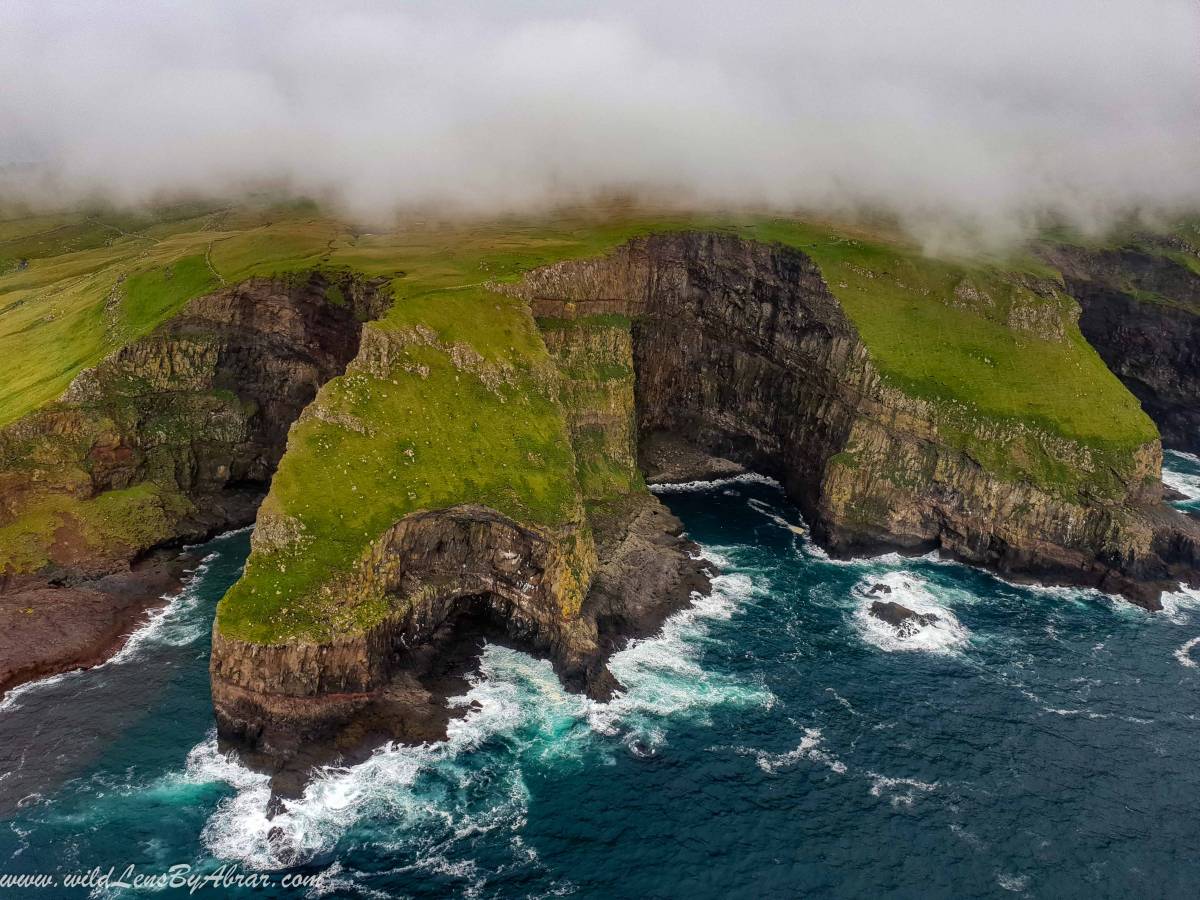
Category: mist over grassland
[979,120]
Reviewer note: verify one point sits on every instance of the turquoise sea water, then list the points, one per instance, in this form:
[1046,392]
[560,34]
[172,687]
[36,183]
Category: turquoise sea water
[774,741]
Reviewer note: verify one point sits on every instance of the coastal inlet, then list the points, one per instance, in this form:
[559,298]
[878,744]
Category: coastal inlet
[775,740]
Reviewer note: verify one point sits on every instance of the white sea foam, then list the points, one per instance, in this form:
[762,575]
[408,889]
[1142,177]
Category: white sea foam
[1014,883]
[452,790]
[1178,605]
[809,749]
[13,696]
[1184,653]
[1184,482]
[662,676]
[1173,476]
[1183,454]
[747,478]
[224,534]
[900,791]
[385,784]
[171,624]
[890,559]
[1087,713]
[944,635]
[715,555]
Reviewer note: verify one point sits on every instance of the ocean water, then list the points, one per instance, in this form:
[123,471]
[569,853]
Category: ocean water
[1182,472]
[774,741]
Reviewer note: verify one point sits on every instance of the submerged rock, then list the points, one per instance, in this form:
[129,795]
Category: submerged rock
[1171,495]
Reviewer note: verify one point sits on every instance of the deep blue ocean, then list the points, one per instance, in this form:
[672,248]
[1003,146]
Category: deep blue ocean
[774,741]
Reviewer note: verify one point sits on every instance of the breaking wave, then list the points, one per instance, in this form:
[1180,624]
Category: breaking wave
[810,748]
[474,781]
[746,478]
[1184,653]
[1177,605]
[1181,471]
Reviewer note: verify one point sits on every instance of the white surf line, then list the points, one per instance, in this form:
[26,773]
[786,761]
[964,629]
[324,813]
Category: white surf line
[1188,485]
[150,626]
[901,791]
[944,635]
[684,486]
[9,702]
[514,696]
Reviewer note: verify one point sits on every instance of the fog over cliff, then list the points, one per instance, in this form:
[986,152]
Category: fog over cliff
[983,113]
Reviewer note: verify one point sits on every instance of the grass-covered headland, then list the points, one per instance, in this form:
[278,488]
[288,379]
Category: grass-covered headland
[459,395]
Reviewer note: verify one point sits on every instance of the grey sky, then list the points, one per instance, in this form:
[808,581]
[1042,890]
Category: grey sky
[951,113]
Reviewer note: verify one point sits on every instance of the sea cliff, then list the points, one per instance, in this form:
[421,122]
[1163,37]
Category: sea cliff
[454,431]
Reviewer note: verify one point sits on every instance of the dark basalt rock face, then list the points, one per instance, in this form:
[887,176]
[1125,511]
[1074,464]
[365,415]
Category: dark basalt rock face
[741,349]
[200,408]
[1141,311]
[900,617]
[268,344]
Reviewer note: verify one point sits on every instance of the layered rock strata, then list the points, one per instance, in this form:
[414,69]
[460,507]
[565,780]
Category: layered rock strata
[712,355]
[452,578]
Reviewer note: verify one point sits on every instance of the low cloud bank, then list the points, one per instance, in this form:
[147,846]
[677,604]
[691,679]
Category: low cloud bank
[980,116]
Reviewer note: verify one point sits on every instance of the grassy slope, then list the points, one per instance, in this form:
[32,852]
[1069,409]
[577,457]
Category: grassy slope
[79,297]
[594,359]
[901,303]
[89,285]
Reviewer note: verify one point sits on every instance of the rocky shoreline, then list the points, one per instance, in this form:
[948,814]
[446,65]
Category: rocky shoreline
[742,348]
[187,424]
[50,629]
[68,618]
[676,358]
